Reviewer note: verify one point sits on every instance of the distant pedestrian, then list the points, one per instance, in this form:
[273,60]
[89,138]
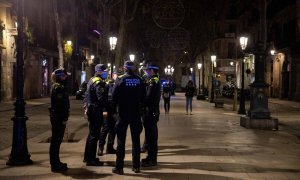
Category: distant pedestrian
[166,96]
[59,114]
[189,94]
[128,95]
[95,101]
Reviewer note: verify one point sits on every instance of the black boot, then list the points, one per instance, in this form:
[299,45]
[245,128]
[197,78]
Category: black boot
[136,170]
[149,162]
[59,167]
[100,151]
[118,171]
[94,162]
[110,150]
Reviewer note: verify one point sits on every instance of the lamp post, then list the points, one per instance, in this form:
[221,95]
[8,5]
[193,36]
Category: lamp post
[169,70]
[192,77]
[112,43]
[199,68]
[213,61]
[132,57]
[242,110]
[19,152]
[272,52]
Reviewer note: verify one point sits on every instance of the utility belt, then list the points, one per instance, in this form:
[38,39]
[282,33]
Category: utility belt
[93,105]
[92,108]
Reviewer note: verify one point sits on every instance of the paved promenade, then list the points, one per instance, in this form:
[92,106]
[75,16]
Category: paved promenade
[210,144]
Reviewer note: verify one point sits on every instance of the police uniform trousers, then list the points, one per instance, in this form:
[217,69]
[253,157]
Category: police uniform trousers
[135,129]
[58,130]
[95,119]
[151,133]
[109,124]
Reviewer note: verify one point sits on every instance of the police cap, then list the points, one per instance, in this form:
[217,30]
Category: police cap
[151,65]
[128,64]
[59,73]
[100,67]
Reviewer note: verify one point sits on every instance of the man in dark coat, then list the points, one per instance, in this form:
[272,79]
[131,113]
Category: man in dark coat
[95,101]
[128,95]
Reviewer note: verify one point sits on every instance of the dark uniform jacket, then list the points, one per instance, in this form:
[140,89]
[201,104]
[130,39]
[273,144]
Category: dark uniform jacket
[60,104]
[110,104]
[128,94]
[153,94]
[96,93]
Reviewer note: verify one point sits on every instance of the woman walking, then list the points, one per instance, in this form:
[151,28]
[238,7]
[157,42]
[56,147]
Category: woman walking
[167,96]
[189,94]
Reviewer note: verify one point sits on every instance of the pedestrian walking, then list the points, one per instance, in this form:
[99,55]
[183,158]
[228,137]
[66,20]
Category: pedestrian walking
[95,101]
[128,95]
[152,114]
[166,96]
[109,123]
[59,114]
[189,94]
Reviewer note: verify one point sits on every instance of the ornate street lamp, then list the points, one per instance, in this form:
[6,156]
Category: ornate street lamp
[169,70]
[112,43]
[131,57]
[199,68]
[242,109]
[19,152]
[272,52]
[213,61]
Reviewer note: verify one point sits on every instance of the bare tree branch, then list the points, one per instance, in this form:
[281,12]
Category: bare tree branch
[131,17]
[115,3]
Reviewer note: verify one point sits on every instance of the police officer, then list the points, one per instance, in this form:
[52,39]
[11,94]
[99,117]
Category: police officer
[59,113]
[145,79]
[95,101]
[152,114]
[128,95]
[109,122]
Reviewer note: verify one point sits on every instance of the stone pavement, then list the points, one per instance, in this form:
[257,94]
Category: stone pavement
[210,144]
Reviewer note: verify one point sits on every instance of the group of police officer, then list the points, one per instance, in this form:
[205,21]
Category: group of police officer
[129,100]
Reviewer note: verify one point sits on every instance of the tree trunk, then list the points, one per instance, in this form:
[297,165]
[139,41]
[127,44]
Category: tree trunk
[106,26]
[59,40]
[124,20]
[119,49]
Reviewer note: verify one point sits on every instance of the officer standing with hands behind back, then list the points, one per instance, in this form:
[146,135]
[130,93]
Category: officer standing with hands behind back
[128,95]
[152,113]
[95,101]
[59,114]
